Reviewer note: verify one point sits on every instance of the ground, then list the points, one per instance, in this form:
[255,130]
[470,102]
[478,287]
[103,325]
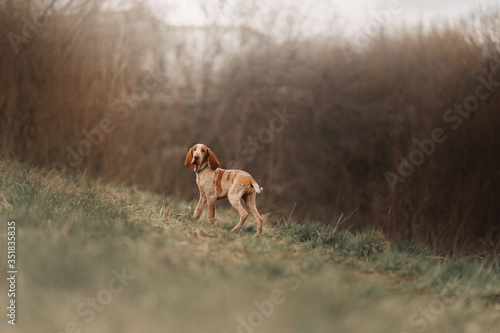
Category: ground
[94,257]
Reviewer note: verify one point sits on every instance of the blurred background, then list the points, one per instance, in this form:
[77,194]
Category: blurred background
[321,101]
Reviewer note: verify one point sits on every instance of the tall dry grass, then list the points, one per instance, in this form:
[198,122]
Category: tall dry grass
[351,120]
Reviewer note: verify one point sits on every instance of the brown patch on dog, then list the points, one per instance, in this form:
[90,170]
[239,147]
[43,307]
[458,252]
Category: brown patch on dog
[242,182]
[212,159]
[219,182]
[189,157]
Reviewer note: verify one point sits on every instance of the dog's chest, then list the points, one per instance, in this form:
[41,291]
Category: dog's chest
[205,182]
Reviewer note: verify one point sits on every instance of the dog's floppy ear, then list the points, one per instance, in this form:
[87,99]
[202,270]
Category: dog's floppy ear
[189,157]
[212,159]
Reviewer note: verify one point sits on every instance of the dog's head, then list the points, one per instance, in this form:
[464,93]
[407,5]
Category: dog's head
[198,155]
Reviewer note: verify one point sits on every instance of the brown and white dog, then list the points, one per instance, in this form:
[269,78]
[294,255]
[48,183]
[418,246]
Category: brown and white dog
[215,183]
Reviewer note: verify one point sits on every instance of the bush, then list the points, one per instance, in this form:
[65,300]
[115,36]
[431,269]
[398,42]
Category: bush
[350,124]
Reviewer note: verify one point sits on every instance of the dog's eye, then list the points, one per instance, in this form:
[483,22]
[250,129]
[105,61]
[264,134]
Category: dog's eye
[203,150]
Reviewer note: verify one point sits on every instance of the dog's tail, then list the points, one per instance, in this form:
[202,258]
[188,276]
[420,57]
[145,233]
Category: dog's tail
[257,188]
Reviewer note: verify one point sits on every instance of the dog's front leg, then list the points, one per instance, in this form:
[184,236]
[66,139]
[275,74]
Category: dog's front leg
[201,204]
[211,210]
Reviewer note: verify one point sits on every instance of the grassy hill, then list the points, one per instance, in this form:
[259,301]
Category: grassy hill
[93,257]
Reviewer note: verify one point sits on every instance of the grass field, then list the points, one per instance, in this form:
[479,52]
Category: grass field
[93,257]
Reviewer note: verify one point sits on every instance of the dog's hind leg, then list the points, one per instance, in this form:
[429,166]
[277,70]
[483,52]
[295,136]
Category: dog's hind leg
[252,207]
[235,200]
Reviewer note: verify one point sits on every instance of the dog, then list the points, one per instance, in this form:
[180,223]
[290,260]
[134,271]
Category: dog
[215,183]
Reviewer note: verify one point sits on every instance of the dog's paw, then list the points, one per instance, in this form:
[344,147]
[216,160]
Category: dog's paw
[235,229]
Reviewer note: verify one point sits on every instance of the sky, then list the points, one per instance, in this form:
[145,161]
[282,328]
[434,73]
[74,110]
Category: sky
[321,15]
